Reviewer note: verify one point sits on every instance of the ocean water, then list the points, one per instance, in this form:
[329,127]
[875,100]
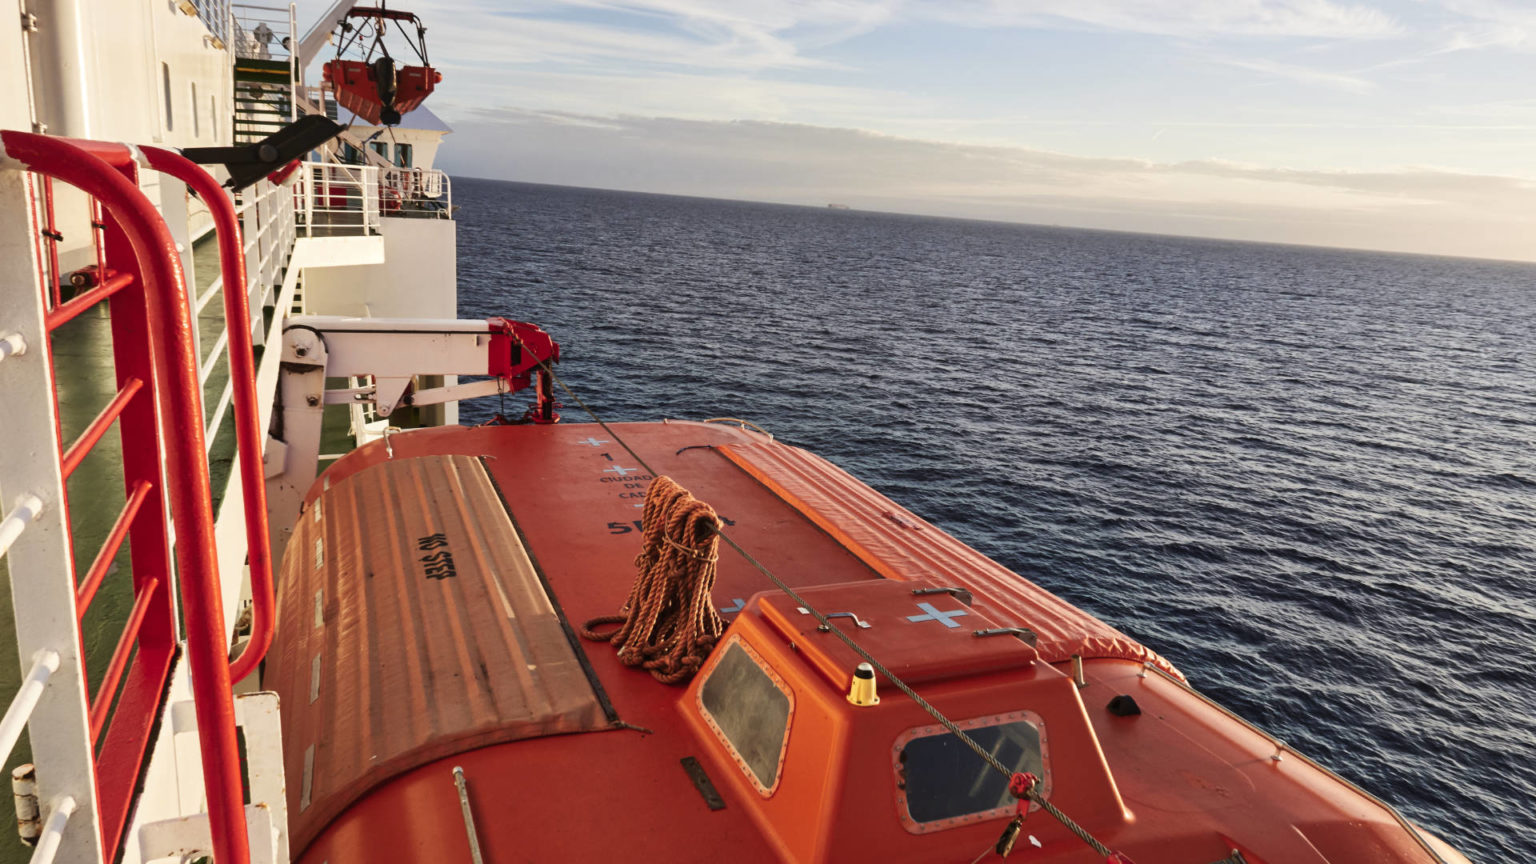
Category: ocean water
[1306,476]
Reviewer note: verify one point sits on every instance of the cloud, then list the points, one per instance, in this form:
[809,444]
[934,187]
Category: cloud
[1411,209]
[1299,74]
[1183,18]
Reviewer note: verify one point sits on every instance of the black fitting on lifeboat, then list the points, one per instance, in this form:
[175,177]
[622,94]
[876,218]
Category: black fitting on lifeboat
[1123,706]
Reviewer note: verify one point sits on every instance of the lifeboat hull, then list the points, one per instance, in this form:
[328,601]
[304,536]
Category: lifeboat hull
[428,617]
[357,88]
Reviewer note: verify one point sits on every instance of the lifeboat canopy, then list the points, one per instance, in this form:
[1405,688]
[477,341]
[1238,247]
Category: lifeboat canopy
[379,87]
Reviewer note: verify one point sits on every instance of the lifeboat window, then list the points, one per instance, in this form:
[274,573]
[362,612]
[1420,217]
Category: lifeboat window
[748,705]
[942,783]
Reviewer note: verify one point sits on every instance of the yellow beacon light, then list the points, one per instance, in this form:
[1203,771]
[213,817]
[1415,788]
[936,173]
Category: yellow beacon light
[863,690]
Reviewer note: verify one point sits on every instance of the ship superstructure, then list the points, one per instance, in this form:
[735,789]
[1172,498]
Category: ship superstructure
[358,227]
[212,391]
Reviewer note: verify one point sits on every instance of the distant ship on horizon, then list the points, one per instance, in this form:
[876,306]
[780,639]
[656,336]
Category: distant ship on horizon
[838,207]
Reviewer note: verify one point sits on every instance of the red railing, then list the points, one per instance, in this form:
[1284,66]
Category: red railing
[242,373]
[157,368]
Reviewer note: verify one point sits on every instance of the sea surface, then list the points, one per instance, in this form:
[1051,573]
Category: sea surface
[1307,476]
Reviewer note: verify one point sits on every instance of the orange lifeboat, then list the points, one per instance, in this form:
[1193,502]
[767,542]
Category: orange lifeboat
[377,88]
[427,639]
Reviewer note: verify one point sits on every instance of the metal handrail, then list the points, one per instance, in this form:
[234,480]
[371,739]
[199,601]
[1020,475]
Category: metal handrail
[14,523]
[417,192]
[26,509]
[53,832]
[169,328]
[43,666]
[340,199]
[242,378]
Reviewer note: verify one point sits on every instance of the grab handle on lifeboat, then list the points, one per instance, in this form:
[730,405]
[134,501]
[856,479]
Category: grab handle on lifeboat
[961,594]
[858,622]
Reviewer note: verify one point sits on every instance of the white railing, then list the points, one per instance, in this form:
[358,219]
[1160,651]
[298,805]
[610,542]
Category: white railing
[338,200]
[44,664]
[263,32]
[268,227]
[35,546]
[53,833]
[215,16]
[422,193]
[26,509]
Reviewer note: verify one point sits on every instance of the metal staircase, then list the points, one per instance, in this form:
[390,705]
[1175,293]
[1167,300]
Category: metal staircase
[266,71]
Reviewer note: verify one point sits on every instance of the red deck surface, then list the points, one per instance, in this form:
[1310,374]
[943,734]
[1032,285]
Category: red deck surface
[1180,783]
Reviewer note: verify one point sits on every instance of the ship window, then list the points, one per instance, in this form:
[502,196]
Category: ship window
[749,707]
[165,76]
[403,155]
[943,783]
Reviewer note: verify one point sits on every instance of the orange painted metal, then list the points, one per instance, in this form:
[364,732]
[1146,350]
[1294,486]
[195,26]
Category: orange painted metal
[940,644]
[357,88]
[1180,783]
[900,545]
[412,626]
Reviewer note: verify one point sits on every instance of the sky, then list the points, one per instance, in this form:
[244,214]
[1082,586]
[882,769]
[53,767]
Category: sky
[1404,125]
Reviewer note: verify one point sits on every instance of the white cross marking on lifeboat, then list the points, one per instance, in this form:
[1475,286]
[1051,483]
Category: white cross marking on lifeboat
[592,441]
[936,615]
[620,470]
[737,606]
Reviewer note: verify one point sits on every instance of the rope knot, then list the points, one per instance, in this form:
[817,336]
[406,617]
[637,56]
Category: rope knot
[669,623]
[712,553]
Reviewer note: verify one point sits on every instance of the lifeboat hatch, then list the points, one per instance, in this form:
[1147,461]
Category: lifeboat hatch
[834,779]
[919,635]
[412,625]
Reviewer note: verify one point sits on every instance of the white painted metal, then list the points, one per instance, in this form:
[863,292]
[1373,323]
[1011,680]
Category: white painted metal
[220,411]
[77,99]
[12,345]
[301,394]
[44,664]
[186,839]
[263,723]
[258,717]
[418,193]
[42,588]
[391,352]
[64,48]
[393,326]
[52,838]
[340,200]
[318,37]
[27,508]
[29,816]
[172,202]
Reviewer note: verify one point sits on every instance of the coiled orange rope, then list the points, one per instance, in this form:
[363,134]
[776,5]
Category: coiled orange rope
[669,623]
